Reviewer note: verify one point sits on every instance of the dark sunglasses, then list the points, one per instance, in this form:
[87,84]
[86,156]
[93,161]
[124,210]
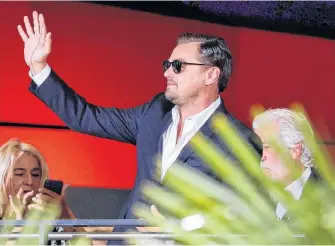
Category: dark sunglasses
[176,65]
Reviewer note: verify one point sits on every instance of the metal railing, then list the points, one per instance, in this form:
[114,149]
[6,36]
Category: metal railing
[43,235]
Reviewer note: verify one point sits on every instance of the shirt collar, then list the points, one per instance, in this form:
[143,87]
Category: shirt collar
[200,118]
[297,186]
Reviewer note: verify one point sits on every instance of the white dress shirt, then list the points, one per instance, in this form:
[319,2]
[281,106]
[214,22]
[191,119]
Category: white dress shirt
[192,124]
[171,148]
[295,188]
[41,76]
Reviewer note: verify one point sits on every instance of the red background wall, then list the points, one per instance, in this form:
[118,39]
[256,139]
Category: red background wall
[113,57]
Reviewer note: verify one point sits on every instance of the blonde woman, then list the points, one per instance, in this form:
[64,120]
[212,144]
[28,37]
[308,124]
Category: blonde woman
[23,171]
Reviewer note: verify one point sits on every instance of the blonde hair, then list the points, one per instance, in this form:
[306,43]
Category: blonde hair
[9,152]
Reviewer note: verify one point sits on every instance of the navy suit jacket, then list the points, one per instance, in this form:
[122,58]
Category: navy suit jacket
[142,126]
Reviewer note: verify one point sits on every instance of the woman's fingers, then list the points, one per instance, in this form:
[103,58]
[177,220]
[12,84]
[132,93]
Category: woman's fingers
[19,194]
[27,197]
[43,199]
[36,206]
[11,202]
[50,193]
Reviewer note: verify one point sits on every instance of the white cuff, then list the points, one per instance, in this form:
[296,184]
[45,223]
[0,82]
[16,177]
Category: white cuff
[42,76]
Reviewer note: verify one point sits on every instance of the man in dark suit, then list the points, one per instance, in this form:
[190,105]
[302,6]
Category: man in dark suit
[198,69]
[289,130]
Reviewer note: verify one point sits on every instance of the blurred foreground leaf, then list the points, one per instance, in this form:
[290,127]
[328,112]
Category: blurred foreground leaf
[242,209]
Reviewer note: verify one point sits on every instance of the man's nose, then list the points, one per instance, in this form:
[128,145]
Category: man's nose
[263,158]
[169,72]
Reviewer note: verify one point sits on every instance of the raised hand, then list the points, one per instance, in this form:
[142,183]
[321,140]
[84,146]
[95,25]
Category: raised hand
[37,42]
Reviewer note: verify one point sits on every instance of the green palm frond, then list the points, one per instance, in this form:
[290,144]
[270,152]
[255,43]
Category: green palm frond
[249,196]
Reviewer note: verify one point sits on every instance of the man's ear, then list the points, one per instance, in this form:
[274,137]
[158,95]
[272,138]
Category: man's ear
[296,151]
[213,75]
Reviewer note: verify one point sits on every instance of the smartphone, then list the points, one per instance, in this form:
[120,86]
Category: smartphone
[54,185]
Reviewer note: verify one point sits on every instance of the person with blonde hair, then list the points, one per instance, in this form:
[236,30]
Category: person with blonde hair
[23,171]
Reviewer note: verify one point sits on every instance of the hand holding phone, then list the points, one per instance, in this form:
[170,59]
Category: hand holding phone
[54,185]
[50,194]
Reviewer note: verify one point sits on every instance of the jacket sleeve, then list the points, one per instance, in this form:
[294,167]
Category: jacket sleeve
[81,116]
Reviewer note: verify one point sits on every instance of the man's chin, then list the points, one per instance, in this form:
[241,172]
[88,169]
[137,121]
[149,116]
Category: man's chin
[272,176]
[279,180]
[169,96]
[267,172]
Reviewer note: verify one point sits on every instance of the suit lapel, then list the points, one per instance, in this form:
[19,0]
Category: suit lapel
[206,130]
[166,121]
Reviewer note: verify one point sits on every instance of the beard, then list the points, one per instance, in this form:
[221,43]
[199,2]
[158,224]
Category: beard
[171,91]
[171,96]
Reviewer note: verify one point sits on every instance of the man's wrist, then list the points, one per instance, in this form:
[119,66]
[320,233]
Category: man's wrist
[36,68]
